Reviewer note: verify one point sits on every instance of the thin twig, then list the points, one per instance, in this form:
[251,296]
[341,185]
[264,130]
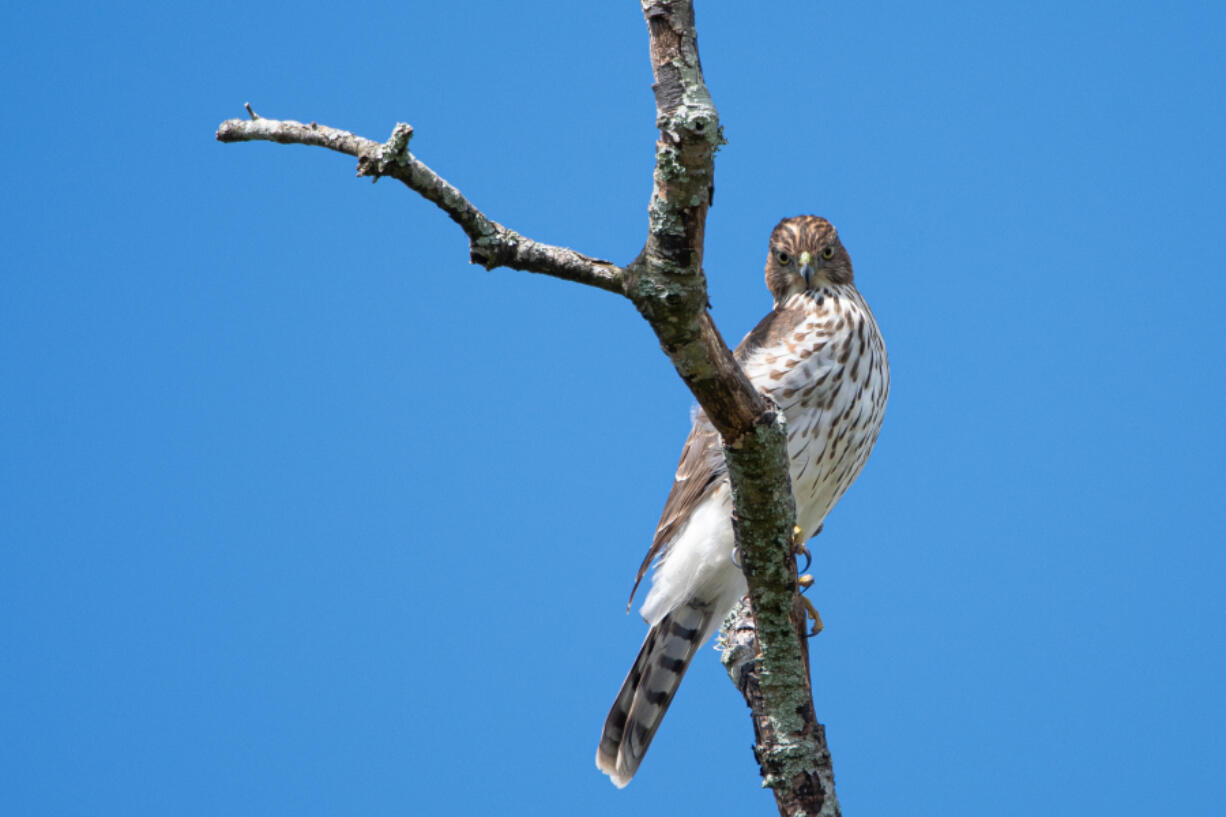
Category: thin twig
[490,243]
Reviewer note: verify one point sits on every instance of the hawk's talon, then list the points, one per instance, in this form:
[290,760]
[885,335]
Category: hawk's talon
[813,614]
[803,583]
[798,547]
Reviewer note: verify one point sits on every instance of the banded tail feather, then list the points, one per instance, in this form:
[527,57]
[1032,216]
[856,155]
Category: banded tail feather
[648,689]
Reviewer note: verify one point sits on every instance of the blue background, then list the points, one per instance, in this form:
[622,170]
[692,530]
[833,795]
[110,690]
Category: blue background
[302,514]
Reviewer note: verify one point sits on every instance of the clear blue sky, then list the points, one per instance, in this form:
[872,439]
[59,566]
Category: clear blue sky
[302,514]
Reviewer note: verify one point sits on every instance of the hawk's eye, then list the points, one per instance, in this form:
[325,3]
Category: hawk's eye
[783,258]
[828,253]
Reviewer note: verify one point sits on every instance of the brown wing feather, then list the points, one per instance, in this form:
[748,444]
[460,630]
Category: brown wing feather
[702,458]
[700,469]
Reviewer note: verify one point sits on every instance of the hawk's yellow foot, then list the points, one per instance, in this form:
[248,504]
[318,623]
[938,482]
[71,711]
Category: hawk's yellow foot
[805,582]
[798,547]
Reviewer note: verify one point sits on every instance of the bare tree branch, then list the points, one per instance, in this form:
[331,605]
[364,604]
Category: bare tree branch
[490,244]
[767,655]
[667,282]
[803,787]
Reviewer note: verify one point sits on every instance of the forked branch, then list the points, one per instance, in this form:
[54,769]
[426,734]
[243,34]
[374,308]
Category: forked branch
[769,659]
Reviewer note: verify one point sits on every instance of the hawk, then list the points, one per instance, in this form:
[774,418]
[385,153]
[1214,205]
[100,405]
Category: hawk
[819,356]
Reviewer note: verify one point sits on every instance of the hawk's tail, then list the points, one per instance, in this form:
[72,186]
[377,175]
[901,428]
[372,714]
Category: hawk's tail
[649,688]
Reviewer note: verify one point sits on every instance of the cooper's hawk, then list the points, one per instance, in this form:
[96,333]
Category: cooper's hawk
[820,357]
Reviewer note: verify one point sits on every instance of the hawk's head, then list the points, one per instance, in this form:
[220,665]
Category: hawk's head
[805,253]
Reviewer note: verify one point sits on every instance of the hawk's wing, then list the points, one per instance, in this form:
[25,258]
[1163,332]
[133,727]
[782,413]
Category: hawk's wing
[700,470]
[702,463]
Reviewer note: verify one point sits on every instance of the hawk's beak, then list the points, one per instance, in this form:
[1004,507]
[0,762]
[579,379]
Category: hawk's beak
[806,268]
